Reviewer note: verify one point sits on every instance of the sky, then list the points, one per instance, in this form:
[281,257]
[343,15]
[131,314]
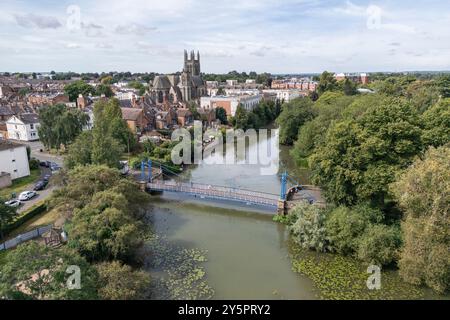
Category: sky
[276,36]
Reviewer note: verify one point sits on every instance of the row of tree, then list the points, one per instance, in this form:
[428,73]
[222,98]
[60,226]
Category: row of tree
[365,151]
[262,115]
[104,212]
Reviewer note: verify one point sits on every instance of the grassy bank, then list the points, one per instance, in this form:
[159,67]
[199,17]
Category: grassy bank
[20,185]
[41,220]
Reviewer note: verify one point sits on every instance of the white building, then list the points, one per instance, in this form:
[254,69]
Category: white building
[232,82]
[23,127]
[212,92]
[14,159]
[284,95]
[230,104]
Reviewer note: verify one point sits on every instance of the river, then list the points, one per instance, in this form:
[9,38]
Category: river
[247,255]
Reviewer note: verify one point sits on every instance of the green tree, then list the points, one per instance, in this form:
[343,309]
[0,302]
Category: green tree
[7,214]
[241,118]
[293,115]
[34,271]
[379,244]
[444,86]
[120,282]
[327,82]
[221,114]
[104,89]
[437,124]
[423,194]
[309,229]
[349,87]
[80,152]
[60,125]
[360,158]
[74,89]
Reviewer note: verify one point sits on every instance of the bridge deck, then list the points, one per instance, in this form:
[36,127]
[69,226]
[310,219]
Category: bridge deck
[216,192]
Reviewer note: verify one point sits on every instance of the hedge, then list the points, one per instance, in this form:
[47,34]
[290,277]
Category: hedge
[30,214]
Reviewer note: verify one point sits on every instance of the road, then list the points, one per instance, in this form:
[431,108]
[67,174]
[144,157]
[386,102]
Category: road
[35,147]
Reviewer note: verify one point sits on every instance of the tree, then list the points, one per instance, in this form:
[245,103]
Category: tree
[7,214]
[34,271]
[437,124]
[241,118]
[360,158]
[327,82]
[60,126]
[444,86]
[221,92]
[379,244]
[221,114]
[120,282]
[309,228]
[104,210]
[80,152]
[349,87]
[293,115]
[104,89]
[422,192]
[74,89]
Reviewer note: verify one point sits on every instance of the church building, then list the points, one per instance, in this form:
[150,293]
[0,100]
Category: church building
[182,87]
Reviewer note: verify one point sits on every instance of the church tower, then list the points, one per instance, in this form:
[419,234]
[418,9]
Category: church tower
[192,63]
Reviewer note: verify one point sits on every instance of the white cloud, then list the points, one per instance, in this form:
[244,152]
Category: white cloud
[37,21]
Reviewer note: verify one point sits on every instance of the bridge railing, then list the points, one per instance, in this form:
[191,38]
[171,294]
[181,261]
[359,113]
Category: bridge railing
[216,192]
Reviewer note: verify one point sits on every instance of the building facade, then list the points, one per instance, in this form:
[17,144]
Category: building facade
[23,127]
[14,159]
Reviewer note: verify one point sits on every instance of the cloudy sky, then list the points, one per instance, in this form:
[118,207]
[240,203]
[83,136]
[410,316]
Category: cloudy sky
[277,36]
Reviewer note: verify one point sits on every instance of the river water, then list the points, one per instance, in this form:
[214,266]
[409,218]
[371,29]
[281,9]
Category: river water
[248,255]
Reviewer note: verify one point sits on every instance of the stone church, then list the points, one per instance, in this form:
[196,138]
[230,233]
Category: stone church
[181,87]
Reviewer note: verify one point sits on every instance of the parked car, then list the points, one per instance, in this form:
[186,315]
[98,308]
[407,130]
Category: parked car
[13,203]
[47,177]
[45,164]
[54,167]
[27,195]
[40,185]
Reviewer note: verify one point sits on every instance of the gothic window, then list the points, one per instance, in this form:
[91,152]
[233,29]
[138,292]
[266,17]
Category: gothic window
[160,97]
[171,98]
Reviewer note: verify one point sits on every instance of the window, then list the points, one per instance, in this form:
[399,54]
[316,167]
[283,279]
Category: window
[15,171]
[14,160]
[31,126]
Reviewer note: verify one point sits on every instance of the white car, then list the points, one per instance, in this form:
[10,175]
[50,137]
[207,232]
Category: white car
[13,203]
[27,195]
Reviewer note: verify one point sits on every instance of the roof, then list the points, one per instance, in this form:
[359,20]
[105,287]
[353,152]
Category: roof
[7,145]
[126,103]
[184,113]
[132,114]
[29,118]
[5,111]
[161,82]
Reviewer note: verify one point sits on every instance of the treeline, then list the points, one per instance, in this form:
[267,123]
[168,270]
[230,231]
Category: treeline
[363,151]
[262,115]
[104,218]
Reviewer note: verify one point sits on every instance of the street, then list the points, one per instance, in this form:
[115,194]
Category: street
[36,147]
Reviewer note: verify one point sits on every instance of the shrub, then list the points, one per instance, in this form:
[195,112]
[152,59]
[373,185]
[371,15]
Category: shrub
[379,244]
[344,227]
[34,164]
[309,230]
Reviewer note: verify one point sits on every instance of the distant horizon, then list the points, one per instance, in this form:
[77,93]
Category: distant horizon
[224,73]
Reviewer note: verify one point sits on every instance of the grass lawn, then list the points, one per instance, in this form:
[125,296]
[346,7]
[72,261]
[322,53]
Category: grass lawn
[2,257]
[41,220]
[20,185]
